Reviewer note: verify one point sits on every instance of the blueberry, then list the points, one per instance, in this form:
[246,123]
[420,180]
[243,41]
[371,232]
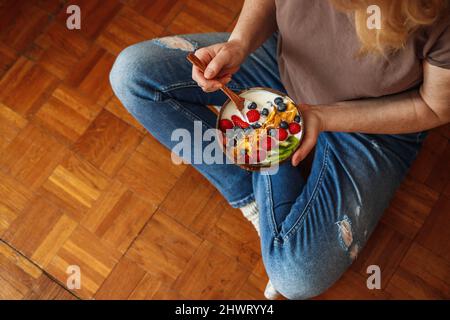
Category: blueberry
[278,100]
[265,112]
[248,129]
[252,105]
[256,125]
[272,132]
[297,118]
[284,125]
[282,107]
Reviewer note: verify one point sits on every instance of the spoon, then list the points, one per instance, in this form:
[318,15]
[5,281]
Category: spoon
[237,100]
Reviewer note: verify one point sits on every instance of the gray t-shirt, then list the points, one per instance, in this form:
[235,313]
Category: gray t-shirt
[318,55]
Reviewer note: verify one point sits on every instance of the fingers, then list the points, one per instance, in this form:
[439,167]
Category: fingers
[305,148]
[217,77]
[216,64]
[206,85]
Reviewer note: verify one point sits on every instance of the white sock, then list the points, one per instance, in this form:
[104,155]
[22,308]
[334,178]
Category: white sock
[271,293]
[251,213]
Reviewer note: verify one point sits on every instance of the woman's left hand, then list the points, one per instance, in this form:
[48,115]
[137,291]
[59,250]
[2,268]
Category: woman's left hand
[313,127]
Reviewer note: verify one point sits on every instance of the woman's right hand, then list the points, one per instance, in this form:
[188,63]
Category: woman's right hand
[222,61]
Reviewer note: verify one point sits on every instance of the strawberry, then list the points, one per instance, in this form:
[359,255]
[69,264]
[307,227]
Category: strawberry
[260,155]
[253,115]
[268,143]
[294,127]
[239,122]
[282,134]
[243,159]
[225,124]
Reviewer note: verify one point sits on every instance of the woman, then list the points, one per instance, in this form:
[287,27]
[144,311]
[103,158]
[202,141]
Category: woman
[369,95]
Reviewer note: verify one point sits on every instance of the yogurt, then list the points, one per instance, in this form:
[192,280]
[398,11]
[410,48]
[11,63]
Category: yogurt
[267,132]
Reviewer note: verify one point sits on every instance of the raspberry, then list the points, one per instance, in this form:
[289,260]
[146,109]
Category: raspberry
[243,159]
[294,127]
[260,155]
[282,134]
[225,124]
[239,122]
[268,143]
[253,115]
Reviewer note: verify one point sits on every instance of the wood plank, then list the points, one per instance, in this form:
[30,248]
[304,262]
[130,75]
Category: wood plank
[415,199]
[188,197]
[164,247]
[90,75]
[94,258]
[211,274]
[7,58]
[160,11]
[11,123]
[352,286]
[434,235]
[75,185]
[46,288]
[14,198]
[154,287]
[40,231]
[118,216]
[386,249]
[108,142]
[236,237]
[95,15]
[17,274]
[32,156]
[59,49]
[116,108]
[67,114]
[20,23]
[127,28]
[149,171]
[422,275]
[122,281]
[15,86]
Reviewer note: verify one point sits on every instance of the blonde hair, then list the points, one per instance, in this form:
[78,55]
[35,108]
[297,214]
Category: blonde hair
[399,19]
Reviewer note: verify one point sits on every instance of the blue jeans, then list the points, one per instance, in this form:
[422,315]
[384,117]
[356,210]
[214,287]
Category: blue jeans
[311,229]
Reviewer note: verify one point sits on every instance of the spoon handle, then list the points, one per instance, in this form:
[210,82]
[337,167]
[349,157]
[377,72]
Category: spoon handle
[238,101]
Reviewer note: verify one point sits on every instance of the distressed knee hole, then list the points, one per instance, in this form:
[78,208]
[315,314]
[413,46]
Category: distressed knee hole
[345,232]
[176,42]
[354,252]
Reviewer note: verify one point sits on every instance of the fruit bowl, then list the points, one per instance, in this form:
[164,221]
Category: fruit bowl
[267,131]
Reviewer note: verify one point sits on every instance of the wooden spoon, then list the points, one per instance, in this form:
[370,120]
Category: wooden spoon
[237,100]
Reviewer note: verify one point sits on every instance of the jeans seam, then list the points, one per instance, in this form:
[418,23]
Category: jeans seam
[270,205]
[242,202]
[179,85]
[313,197]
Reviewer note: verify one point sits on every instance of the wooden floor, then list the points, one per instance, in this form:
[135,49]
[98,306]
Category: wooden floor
[81,183]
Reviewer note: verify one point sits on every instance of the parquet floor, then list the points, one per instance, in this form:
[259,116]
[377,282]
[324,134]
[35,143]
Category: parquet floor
[81,183]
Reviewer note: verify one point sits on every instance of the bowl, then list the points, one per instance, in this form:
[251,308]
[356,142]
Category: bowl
[263,135]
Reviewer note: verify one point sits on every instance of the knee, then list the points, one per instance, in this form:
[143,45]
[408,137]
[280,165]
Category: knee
[300,281]
[143,69]
[125,72]
[300,287]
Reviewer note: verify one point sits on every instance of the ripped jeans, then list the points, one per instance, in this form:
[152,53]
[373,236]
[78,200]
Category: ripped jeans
[311,228]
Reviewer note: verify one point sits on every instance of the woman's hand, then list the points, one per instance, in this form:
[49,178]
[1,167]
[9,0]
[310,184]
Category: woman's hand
[222,60]
[313,127]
